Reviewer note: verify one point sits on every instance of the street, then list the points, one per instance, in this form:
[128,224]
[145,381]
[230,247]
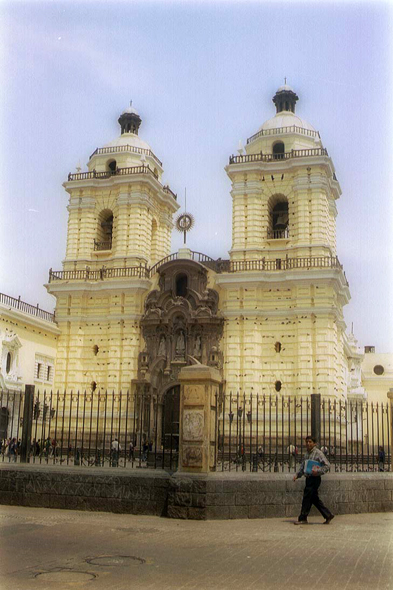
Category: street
[46,549]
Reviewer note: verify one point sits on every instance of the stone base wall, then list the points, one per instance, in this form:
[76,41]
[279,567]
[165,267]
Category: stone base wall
[76,489]
[189,496]
[227,496]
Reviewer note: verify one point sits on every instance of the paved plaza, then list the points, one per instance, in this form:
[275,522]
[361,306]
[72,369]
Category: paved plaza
[46,549]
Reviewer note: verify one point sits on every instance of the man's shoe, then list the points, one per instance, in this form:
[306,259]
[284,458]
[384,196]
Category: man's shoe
[301,522]
[329,519]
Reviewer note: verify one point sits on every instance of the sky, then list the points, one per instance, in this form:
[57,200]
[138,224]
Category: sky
[202,76]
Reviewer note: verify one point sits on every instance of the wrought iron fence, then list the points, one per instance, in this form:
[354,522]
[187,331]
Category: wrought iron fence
[266,433]
[100,428]
[254,432]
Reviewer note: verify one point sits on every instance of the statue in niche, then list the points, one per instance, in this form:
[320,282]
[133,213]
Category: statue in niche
[197,346]
[180,344]
[162,346]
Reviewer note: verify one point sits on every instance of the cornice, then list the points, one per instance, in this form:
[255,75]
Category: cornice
[15,314]
[99,318]
[108,285]
[262,313]
[282,166]
[119,181]
[260,278]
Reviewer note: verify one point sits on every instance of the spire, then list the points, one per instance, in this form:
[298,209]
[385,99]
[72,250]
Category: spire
[129,120]
[285,99]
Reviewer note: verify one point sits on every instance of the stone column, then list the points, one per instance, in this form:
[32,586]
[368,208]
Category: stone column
[390,397]
[198,399]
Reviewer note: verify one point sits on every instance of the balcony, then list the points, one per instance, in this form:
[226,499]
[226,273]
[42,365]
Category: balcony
[276,157]
[100,246]
[282,130]
[110,173]
[125,148]
[118,172]
[218,266]
[278,234]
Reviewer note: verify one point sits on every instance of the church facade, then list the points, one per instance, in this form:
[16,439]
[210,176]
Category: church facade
[131,315]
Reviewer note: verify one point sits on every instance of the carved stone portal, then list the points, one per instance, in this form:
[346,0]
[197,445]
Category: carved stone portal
[181,326]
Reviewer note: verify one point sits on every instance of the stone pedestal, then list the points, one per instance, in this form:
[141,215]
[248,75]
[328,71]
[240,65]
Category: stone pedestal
[198,409]
[390,397]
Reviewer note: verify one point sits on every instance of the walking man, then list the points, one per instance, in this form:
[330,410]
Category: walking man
[313,481]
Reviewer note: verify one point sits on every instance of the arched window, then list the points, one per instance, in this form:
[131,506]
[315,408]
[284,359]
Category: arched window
[112,166]
[104,231]
[278,150]
[278,385]
[181,285]
[279,218]
[277,347]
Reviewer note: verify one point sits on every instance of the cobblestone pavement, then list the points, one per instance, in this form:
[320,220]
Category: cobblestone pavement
[47,549]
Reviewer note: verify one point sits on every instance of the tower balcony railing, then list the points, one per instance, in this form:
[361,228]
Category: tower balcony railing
[278,234]
[101,274]
[105,245]
[93,174]
[109,173]
[276,157]
[306,263]
[281,130]
[218,266]
[125,148]
[26,307]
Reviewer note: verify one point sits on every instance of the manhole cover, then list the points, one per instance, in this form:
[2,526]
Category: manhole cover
[115,560]
[65,576]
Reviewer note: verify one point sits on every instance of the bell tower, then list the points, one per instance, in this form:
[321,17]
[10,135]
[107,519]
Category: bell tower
[120,214]
[283,299]
[119,224]
[284,189]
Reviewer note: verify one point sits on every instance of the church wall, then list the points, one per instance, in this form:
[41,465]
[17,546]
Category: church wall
[300,318]
[108,320]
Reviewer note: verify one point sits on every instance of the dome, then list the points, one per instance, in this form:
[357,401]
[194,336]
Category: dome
[130,110]
[128,139]
[285,87]
[286,119]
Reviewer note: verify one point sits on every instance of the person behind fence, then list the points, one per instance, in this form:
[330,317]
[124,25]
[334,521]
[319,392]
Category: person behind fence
[291,452]
[13,449]
[145,449]
[131,451]
[381,459]
[325,451]
[314,465]
[115,450]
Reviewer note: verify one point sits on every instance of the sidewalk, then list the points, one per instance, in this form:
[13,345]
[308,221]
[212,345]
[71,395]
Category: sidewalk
[47,549]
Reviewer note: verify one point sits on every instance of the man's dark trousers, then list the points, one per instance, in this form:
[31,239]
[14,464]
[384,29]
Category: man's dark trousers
[310,497]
